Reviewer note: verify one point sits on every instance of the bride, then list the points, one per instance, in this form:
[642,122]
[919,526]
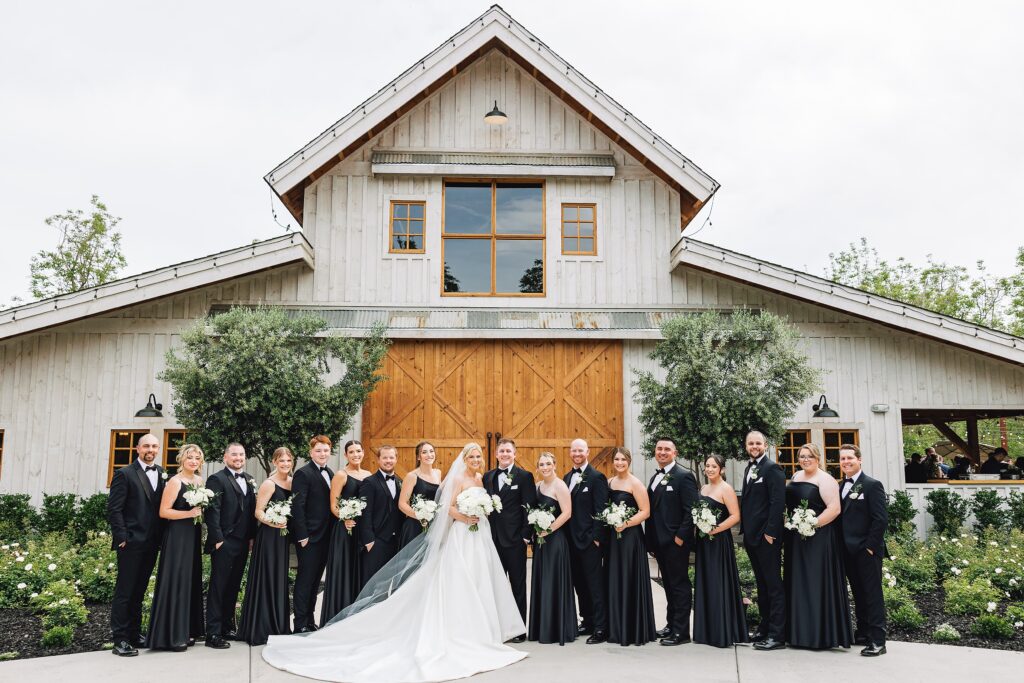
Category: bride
[441,609]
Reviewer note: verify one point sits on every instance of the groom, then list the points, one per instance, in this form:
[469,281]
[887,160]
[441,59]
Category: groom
[588,489]
[509,528]
[379,524]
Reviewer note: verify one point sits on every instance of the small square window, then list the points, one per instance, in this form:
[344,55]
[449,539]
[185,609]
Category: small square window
[122,449]
[406,221]
[579,226]
[173,439]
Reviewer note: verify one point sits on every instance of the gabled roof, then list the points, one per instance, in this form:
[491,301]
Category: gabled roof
[173,279]
[691,253]
[494,29]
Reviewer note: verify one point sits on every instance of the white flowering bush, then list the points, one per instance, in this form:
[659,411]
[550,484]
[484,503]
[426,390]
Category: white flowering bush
[945,633]
[60,604]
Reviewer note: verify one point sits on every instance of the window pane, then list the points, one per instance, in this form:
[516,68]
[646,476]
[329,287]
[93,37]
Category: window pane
[467,266]
[519,266]
[569,244]
[568,213]
[831,439]
[467,209]
[398,227]
[519,209]
[416,227]
[416,211]
[415,242]
[800,438]
[586,229]
[400,210]
[398,242]
[586,213]
[586,244]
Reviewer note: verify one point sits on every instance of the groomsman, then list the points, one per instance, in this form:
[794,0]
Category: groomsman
[379,524]
[669,534]
[587,539]
[230,530]
[133,510]
[864,519]
[509,528]
[312,523]
[762,509]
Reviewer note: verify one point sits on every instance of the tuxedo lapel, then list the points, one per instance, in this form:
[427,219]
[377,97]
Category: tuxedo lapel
[233,483]
[144,480]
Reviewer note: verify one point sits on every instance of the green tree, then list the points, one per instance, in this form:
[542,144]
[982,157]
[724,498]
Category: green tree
[88,253]
[532,281]
[724,375]
[260,377]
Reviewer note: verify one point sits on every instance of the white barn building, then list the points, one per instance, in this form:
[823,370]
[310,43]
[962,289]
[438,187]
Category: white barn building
[522,269]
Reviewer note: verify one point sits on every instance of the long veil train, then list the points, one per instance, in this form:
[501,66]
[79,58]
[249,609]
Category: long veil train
[439,610]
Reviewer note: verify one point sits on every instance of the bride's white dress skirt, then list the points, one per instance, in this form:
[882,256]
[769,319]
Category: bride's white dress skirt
[449,620]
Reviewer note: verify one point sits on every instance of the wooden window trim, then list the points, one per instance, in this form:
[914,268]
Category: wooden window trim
[790,467]
[167,445]
[578,205]
[495,237]
[391,227]
[113,441]
[825,447]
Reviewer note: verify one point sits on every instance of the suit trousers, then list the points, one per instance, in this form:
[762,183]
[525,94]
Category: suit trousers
[372,560]
[588,578]
[227,566]
[865,574]
[513,561]
[766,561]
[312,562]
[674,563]
[134,568]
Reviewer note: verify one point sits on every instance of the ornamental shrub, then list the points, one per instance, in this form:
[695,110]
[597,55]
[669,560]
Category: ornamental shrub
[988,514]
[58,636]
[896,598]
[906,616]
[1015,613]
[17,517]
[96,568]
[1015,505]
[948,509]
[945,633]
[966,597]
[901,515]
[60,604]
[992,626]
[58,512]
[91,517]
[913,565]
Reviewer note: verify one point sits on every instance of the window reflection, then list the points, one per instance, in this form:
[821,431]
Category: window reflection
[467,209]
[519,209]
[519,267]
[467,266]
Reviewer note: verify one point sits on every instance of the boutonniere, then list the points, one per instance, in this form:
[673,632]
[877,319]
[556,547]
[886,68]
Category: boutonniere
[163,475]
[854,492]
[754,474]
[665,479]
[581,481]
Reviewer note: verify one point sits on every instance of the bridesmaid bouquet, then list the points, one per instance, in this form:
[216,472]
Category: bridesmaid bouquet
[475,502]
[803,520]
[541,519]
[278,513]
[198,496]
[615,515]
[350,508]
[425,510]
[705,519]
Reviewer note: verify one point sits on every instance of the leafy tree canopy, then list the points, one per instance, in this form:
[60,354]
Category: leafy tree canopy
[264,379]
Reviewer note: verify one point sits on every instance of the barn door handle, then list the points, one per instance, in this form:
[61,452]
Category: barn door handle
[489,435]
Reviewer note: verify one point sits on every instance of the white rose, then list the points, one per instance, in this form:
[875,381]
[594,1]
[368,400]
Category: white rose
[19,558]
[991,607]
[15,545]
[62,601]
[34,595]
[28,567]
[51,566]
[999,570]
[22,586]
[5,547]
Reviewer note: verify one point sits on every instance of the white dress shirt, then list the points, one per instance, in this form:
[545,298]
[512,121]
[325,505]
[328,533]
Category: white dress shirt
[151,475]
[576,476]
[852,482]
[661,475]
[750,472]
[504,478]
[239,480]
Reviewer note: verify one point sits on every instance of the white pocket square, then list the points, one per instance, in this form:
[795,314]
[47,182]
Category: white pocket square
[669,488]
[515,486]
[757,481]
[585,489]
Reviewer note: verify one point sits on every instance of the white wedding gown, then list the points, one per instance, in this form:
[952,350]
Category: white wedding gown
[448,620]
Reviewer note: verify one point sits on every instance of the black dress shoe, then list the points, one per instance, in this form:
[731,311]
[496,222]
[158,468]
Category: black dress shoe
[518,639]
[178,648]
[769,643]
[598,637]
[230,635]
[306,629]
[861,640]
[139,642]
[191,642]
[124,649]
[675,639]
[217,643]
[873,650]
[756,637]
[663,633]
[584,630]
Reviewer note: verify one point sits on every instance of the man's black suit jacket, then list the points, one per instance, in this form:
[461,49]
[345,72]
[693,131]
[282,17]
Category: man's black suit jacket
[381,519]
[133,508]
[865,517]
[671,505]
[311,504]
[763,503]
[232,514]
[510,527]
[589,499]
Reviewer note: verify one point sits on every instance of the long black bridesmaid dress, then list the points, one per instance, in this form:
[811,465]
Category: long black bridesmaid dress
[630,603]
[719,618]
[552,603]
[265,609]
[177,613]
[344,578]
[817,605]
[411,528]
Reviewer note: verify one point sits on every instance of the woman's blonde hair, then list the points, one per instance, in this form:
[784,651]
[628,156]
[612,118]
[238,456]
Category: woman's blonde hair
[469,448]
[813,449]
[183,452]
[546,454]
[281,451]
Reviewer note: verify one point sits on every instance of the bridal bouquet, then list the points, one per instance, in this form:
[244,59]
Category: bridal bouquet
[425,510]
[615,515]
[803,520]
[198,496]
[541,519]
[704,518]
[350,508]
[476,502]
[278,513]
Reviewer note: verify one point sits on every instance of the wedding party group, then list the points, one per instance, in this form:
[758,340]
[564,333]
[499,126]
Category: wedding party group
[425,576]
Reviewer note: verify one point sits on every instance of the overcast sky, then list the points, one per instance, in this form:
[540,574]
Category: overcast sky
[823,121]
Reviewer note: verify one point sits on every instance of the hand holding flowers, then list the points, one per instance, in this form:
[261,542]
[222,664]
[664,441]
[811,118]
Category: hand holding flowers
[616,515]
[349,509]
[540,518]
[803,520]
[476,503]
[277,514]
[198,496]
[705,519]
[425,510]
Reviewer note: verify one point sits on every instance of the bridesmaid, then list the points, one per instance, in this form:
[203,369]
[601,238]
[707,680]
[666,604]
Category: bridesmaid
[818,607]
[344,580]
[719,618]
[552,605]
[422,481]
[630,603]
[265,609]
[176,619]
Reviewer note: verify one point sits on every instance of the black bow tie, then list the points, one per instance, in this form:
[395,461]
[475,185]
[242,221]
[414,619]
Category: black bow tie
[660,470]
[507,473]
[389,477]
[577,470]
[322,469]
[151,468]
[238,475]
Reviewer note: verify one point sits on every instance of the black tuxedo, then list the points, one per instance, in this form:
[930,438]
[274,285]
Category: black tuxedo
[311,519]
[671,504]
[589,498]
[863,522]
[230,520]
[510,528]
[133,510]
[379,524]
[762,510]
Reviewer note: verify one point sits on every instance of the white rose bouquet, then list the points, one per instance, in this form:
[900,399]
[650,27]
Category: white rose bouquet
[475,502]
[615,515]
[704,518]
[278,513]
[350,508]
[540,518]
[425,510]
[803,520]
[198,496]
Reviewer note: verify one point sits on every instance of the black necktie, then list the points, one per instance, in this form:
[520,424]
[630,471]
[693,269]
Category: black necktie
[151,468]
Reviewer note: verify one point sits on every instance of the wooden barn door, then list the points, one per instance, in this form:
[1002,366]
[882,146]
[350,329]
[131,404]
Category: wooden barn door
[542,394]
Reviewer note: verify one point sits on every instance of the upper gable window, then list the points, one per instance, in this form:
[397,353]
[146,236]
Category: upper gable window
[493,238]
[407,227]
[579,229]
